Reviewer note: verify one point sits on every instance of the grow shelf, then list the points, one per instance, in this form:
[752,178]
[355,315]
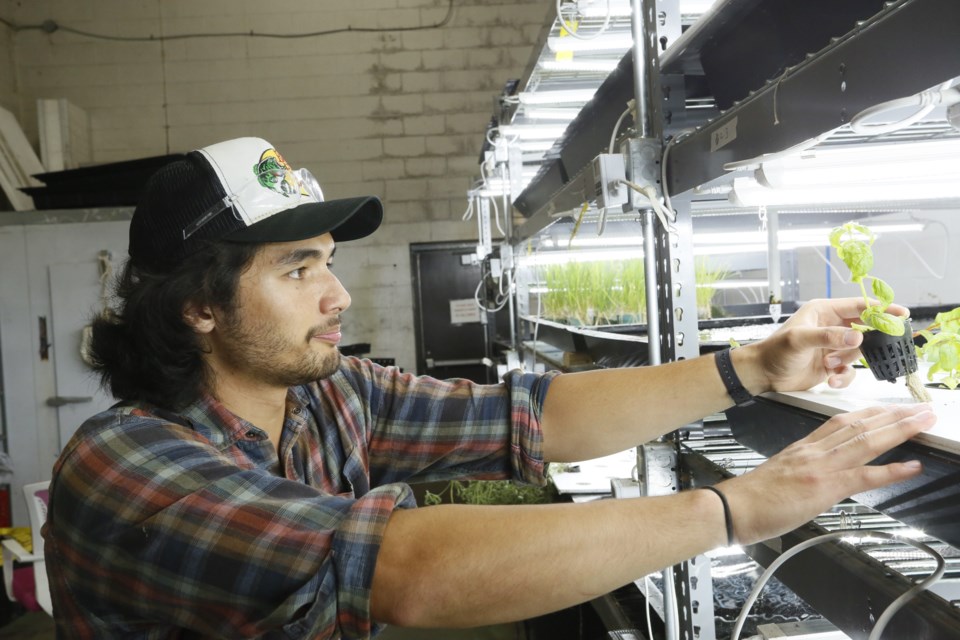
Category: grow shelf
[621,345]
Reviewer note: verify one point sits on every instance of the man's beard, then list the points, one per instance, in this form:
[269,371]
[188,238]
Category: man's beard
[260,352]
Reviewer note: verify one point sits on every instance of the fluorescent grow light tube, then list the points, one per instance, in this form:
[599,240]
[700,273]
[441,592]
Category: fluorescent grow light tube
[533,131]
[747,192]
[901,162]
[619,41]
[550,113]
[621,8]
[557,96]
[584,66]
[717,239]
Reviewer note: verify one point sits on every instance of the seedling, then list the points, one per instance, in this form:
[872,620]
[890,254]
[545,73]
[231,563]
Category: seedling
[942,349]
[706,279]
[888,357]
[487,492]
[853,243]
[586,293]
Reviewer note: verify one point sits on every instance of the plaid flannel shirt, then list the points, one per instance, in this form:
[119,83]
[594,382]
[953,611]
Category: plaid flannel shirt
[190,525]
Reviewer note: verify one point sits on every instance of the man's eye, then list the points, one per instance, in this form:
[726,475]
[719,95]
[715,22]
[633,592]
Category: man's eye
[298,274]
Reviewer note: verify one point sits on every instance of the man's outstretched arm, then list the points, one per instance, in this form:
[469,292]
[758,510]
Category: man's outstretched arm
[595,413]
[456,565]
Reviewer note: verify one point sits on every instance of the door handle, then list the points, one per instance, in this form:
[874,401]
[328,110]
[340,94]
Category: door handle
[431,363]
[59,401]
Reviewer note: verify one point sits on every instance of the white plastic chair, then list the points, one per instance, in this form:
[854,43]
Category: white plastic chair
[37,496]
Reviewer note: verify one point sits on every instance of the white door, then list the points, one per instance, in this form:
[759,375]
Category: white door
[74,298]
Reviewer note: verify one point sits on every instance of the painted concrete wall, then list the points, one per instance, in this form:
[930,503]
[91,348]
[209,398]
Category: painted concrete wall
[395,113]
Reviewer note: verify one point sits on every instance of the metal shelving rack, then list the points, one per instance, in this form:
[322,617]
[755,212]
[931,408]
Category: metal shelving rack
[825,76]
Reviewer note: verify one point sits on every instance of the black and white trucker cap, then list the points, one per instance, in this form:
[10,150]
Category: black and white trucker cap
[240,190]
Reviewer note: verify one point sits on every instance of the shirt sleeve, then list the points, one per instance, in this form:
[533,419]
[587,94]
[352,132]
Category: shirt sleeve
[424,429]
[149,522]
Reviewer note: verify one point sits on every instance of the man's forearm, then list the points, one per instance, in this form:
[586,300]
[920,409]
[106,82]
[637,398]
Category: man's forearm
[595,413]
[457,565]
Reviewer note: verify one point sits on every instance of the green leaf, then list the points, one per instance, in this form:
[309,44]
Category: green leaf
[835,237]
[882,321]
[883,292]
[949,321]
[949,356]
[858,258]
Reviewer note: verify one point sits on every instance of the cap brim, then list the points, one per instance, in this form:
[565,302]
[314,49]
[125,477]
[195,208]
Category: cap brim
[346,219]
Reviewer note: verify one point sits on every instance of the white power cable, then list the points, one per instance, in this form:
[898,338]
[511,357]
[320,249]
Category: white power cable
[891,609]
[666,216]
[616,127]
[496,217]
[571,30]
[925,264]
[649,587]
[925,101]
[663,169]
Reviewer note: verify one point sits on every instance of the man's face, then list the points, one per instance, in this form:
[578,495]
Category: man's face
[285,327]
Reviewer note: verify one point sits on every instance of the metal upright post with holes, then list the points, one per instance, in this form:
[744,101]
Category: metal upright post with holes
[671,306]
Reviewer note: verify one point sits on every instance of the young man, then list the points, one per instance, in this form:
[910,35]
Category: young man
[251,482]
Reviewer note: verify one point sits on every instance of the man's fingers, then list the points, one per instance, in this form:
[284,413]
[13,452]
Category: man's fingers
[871,477]
[844,421]
[841,377]
[835,339]
[860,441]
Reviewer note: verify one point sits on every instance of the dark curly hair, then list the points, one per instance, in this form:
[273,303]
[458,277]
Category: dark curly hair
[145,351]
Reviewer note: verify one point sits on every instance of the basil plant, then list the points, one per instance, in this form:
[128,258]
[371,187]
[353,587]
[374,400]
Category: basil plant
[852,243]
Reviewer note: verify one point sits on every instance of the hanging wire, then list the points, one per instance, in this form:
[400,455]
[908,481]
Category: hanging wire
[51,26]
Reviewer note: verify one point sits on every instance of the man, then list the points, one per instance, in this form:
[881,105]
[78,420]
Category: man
[251,482]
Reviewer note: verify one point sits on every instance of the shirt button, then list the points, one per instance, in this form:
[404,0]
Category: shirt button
[252,434]
[297,410]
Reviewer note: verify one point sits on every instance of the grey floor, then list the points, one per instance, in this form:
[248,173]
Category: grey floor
[39,626]
[31,626]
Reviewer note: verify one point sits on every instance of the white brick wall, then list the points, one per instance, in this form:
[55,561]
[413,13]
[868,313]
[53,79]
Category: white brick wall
[397,114]
[9,98]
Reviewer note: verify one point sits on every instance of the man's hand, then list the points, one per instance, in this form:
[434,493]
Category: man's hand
[814,345]
[818,471]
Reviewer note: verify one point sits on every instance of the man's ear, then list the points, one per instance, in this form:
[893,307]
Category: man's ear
[199,317]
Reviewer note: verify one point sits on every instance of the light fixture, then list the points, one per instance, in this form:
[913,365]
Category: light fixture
[862,164]
[550,113]
[890,172]
[560,96]
[618,41]
[621,8]
[584,66]
[563,257]
[747,192]
[535,145]
[756,241]
[600,8]
[533,131]
[705,242]
[602,241]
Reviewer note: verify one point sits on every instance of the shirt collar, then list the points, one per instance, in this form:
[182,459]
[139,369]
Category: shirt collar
[217,423]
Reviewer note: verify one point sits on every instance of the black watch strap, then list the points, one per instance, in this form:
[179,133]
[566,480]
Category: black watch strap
[740,396]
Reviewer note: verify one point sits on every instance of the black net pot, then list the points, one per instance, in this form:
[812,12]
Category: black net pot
[890,357]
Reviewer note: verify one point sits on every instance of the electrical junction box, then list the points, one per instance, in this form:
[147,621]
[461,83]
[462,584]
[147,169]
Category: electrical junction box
[607,170]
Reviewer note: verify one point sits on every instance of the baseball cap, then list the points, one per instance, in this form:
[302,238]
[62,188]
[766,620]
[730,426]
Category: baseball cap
[240,190]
